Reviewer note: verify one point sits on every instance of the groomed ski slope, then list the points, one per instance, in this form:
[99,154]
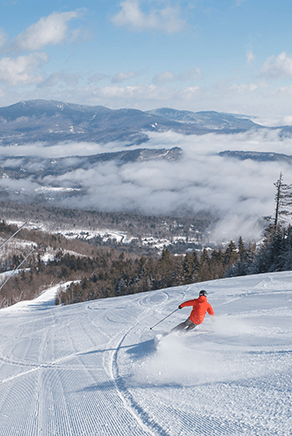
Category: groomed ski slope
[96,368]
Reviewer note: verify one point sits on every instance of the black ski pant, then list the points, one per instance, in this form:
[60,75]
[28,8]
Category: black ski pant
[186,326]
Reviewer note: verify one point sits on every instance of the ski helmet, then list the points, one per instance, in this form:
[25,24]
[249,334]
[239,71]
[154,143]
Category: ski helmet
[202,292]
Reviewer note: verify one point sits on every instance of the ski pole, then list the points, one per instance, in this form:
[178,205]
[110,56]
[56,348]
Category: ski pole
[162,319]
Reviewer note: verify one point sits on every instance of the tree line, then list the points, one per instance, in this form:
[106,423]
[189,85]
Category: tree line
[126,276]
[123,276]
[111,273]
[100,272]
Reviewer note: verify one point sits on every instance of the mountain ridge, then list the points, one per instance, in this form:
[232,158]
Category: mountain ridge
[53,121]
[36,166]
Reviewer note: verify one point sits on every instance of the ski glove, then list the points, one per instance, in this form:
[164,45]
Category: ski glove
[179,307]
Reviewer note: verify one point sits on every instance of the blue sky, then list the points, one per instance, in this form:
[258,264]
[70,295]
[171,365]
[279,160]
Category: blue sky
[228,55]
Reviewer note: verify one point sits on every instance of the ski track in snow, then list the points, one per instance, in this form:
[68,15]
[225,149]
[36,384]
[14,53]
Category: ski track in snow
[96,368]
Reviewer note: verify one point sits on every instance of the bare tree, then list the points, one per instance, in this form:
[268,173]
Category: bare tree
[283,200]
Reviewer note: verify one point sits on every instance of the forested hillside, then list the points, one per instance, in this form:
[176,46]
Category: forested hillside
[124,276]
[100,271]
[96,271]
[181,232]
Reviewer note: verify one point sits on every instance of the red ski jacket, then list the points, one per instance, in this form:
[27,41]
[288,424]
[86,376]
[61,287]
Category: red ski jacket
[200,307]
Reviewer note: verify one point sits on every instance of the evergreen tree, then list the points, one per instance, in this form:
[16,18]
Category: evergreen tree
[196,264]
[203,271]
[268,258]
[231,255]
[241,249]
[188,265]
[217,268]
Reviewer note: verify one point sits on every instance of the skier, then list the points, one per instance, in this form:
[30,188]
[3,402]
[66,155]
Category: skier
[200,307]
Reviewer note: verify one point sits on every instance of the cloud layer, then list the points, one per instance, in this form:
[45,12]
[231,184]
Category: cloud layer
[240,192]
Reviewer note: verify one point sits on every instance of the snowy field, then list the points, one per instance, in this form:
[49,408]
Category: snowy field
[97,369]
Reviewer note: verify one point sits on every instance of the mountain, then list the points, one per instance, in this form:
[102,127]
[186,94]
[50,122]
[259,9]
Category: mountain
[38,167]
[207,120]
[258,156]
[53,121]
[96,368]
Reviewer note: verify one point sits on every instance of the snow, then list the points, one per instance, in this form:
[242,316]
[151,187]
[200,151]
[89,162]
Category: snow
[4,275]
[96,368]
[77,233]
[16,244]
[43,302]
[56,189]
[107,234]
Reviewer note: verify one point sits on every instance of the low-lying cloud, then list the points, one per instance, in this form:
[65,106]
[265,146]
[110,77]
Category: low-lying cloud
[239,191]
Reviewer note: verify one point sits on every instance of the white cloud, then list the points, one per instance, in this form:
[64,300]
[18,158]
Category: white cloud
[64,77]
[122,77]
[188,75]
[22,69]
[277,68]
[116,96]
[170,76]
[287,120]
[62,149]
[49,30]
[167,20]
[242,88]
[250,56]
[3,37]
[167,76]
[118,91]
[139,96]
